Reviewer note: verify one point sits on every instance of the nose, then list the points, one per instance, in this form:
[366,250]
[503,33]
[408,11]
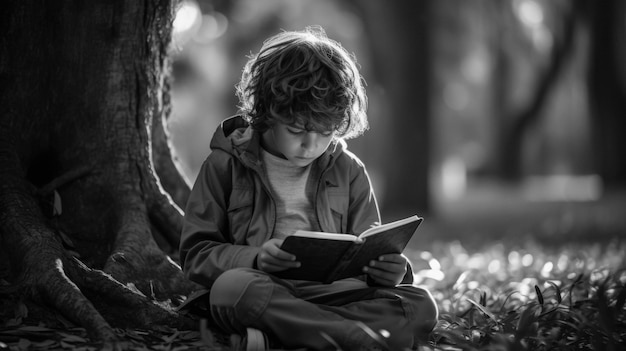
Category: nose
[309,141]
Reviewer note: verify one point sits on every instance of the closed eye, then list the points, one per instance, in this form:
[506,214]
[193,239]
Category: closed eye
[296,131]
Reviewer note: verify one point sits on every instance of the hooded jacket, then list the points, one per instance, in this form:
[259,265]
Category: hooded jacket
[231,213]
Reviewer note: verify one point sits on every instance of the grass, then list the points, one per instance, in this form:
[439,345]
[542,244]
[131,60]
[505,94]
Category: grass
[528,297]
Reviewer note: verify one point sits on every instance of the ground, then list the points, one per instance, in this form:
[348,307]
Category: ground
[481,248]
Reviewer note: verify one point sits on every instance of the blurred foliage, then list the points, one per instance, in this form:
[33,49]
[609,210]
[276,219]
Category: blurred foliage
[527,298]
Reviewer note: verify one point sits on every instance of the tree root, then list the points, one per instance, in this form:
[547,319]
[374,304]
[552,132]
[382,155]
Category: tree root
[166,216]
[164,211]
[146,312]
[137,259]
[106,205]
[64,179]
[166,164]
[38,253]
[46,273]
[56,288]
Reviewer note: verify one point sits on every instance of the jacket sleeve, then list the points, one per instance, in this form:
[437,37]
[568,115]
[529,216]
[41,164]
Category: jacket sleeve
[363,209]
[206,246]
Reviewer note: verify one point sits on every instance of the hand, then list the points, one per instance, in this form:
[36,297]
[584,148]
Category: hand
[388,270]
[273,259]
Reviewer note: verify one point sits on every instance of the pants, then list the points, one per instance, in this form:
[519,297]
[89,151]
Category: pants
[306,314]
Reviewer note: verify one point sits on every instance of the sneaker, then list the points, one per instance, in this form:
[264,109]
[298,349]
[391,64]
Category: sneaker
[254,340]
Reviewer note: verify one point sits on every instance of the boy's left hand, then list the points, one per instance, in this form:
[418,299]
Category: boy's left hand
[388,270]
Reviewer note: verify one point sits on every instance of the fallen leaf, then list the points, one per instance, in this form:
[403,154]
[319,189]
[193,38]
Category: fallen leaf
[66,345]
[23,344]
[162,347]
[189,335]
[72,338]
[169,339]
[66,323]
[35,329]
[58,208]
[45,344]
[133,335]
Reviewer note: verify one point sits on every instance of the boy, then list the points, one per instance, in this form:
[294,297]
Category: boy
[280,166]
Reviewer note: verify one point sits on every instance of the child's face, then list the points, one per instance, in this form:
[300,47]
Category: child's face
[296,144]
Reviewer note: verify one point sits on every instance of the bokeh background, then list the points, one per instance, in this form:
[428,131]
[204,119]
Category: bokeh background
[496,120]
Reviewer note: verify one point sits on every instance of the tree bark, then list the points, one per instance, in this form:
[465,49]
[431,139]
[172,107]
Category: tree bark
[79,197]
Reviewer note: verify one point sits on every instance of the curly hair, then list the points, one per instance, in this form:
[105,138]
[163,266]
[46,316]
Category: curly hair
[304,78]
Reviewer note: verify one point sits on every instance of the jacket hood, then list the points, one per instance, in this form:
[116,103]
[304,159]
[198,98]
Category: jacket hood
[235,136]
[231,134]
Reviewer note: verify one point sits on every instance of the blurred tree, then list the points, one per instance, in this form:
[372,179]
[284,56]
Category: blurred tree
[399,41]
[514,121]
[607,87]
[80,204]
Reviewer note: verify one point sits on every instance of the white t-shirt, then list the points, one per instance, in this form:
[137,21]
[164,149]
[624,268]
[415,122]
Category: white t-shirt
[293,196]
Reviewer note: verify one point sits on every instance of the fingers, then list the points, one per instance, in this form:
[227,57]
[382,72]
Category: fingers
[392,263]
[273,248]
[390,267]
[270,267]
[383,277]
[388,270]
[273,259]
[267,258]
[397,258]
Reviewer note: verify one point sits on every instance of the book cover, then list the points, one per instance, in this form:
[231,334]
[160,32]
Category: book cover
[326,257]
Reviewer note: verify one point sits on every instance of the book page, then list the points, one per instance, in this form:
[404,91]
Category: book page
[392,241]
[387,226]
[322,235]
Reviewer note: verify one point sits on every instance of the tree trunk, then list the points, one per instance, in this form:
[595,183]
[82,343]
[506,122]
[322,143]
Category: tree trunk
[166,161]
[400,43]
[515,124]
[607,89]
[79,199]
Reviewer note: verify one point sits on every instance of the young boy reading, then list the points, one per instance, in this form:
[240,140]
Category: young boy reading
[280,166]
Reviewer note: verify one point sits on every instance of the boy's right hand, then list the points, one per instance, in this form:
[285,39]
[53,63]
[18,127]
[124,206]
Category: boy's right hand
[273,259]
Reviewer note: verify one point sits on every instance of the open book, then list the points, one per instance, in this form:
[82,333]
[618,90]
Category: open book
[326,257]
